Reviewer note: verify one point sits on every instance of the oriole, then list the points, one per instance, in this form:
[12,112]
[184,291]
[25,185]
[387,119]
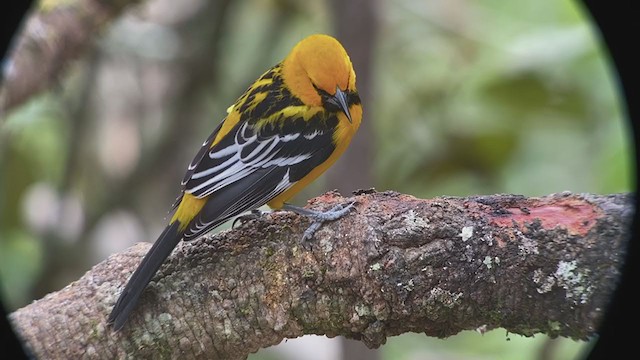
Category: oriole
[286,129]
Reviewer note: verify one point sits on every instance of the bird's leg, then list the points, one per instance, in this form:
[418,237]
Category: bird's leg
[252,215]
[319,217]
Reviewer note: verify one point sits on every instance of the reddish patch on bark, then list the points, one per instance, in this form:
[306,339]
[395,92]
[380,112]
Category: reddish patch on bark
[329,197]
[575,215]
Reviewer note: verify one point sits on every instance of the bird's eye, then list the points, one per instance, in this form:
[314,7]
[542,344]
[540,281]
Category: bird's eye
[323,94]
[326,99]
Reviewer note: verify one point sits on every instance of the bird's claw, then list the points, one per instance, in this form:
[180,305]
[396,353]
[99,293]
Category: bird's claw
[320,217]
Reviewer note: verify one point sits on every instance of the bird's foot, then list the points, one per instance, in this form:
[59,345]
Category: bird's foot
[319,217]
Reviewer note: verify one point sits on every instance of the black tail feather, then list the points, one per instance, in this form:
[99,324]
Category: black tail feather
[160,250]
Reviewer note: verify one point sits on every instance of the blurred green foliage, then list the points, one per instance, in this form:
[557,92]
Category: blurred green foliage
[469,97]
[519,99]
[493,345]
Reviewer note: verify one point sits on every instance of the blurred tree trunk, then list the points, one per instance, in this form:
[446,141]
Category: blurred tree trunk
[356,25]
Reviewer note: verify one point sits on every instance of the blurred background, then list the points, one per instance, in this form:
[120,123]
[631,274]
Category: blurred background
[461,97]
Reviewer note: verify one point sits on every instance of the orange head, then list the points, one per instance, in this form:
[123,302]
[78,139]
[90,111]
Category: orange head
[319,72]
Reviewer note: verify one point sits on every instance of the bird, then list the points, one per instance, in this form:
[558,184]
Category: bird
[282,133]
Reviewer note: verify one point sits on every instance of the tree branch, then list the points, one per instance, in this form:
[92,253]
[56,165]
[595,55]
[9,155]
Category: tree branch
[50,39]
[396,264]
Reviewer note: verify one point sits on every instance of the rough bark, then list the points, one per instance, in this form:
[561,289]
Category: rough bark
[50,39]
[396,264]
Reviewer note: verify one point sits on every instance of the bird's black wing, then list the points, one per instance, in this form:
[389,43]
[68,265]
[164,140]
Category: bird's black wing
[252,165]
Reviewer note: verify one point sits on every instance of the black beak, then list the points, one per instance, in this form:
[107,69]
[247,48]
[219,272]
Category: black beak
[340,100]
